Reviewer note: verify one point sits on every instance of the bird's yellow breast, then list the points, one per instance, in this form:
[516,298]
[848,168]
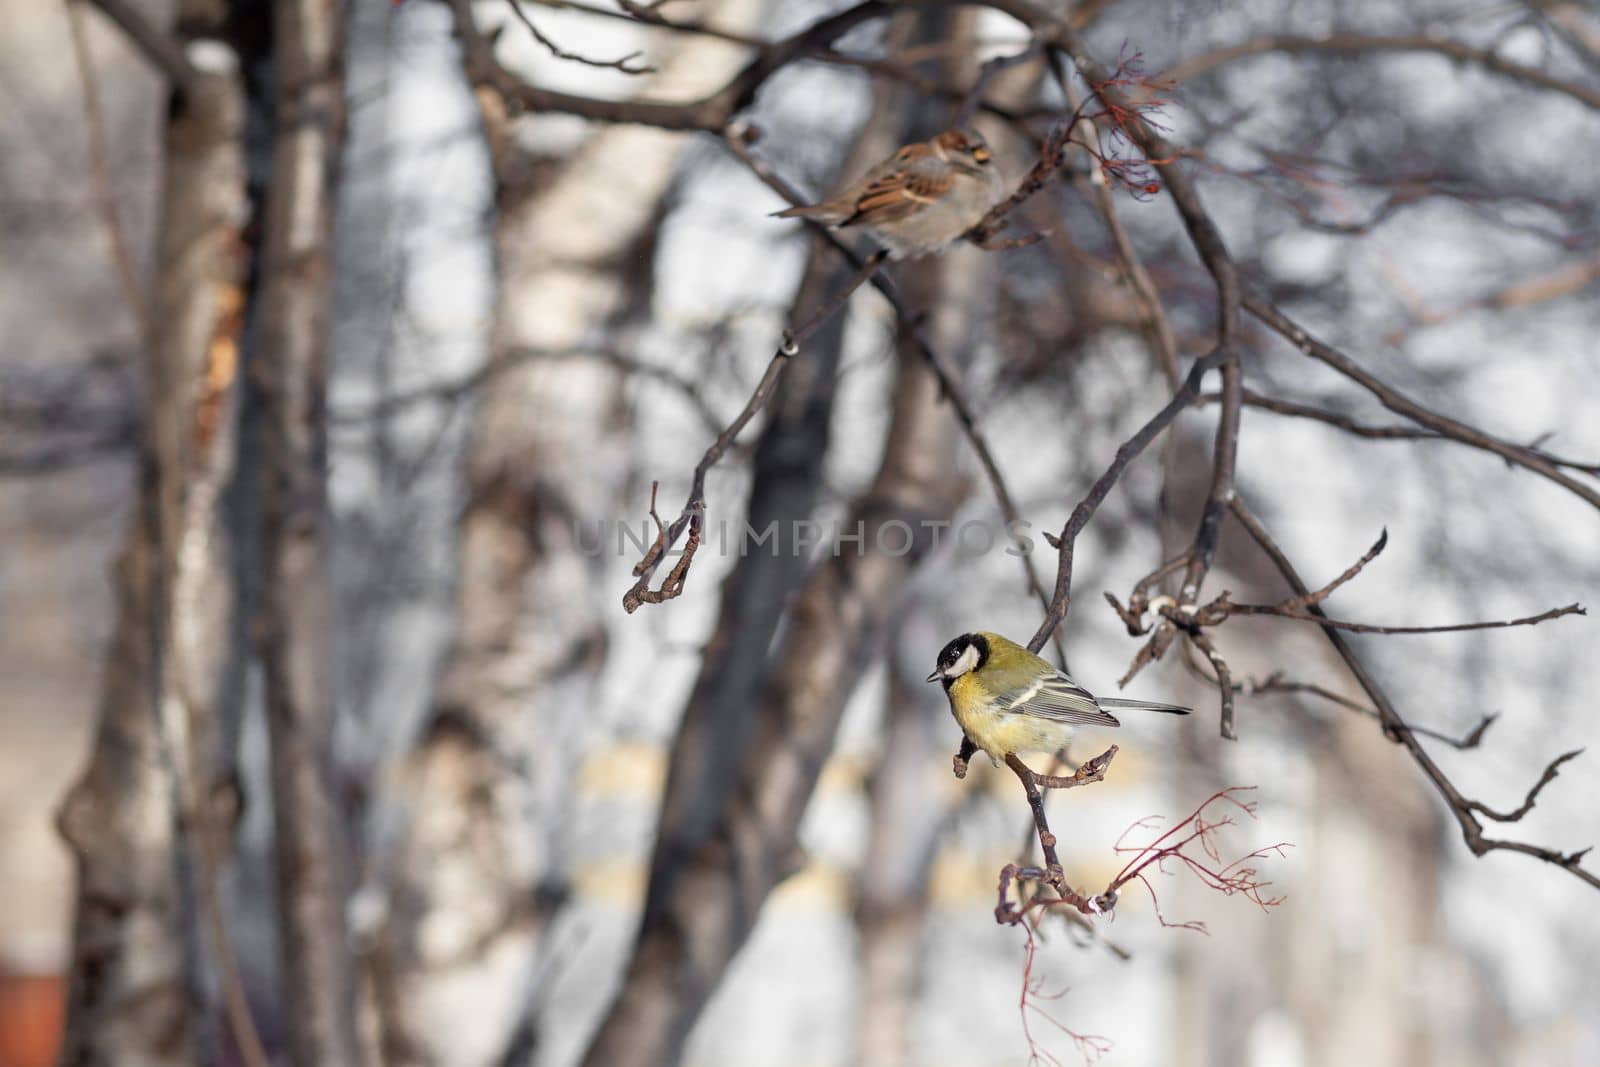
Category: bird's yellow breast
[996,730]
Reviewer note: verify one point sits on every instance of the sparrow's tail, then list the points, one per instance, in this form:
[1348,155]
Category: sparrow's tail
[1141,705]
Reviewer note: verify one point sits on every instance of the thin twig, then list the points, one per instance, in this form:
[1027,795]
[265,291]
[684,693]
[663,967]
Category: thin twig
[692,516]
[1276,683]
[624,64]
[1397,402]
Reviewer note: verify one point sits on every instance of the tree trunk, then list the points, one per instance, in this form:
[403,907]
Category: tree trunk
[786,483]
[132,993]
[909,808]
[295,624]
[488,788]
[836,628]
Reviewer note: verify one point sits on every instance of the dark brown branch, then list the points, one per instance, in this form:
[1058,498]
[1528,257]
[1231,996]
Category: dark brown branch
[1052,874]
[1227,607]
[1395,727]
[1051,156]
[1276,683]
[1061,600]
[1280,406]
[625,64]
[1203,642]
[1518,455]
[693,514]
[987,74]
[1549,775]
[1317,596]
[1294,408]
[1360,43]
[963,754]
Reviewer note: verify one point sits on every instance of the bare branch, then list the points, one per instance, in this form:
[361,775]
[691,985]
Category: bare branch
[1550,773]
[1061,601]
[626,64]
[693,514]
[1227,607]
[1395,727]
[1518,455]
[1276,683]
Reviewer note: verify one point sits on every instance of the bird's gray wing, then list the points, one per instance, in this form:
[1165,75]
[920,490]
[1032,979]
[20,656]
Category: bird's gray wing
[1058,698]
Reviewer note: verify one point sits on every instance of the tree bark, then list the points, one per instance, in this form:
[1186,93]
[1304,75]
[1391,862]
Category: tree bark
[786,483]
[132,999]
[488,788]
[836,628]
[295,628]
[909,808]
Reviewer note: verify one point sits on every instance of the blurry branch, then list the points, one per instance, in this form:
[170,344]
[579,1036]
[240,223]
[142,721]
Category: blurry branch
[710,114]
[908,817]
[161,49]
[694,509]
[886,66]
[1280,406]
[100,163]
[1359,44]
[1562,282]
[1566,19]
[651,17]
[461,388]
[1296,409]
[626,64]
[991,70]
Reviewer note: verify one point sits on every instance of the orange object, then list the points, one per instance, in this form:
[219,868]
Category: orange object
[32,1010]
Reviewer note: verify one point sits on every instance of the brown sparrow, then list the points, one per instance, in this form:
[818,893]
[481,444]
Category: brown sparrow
[918,200]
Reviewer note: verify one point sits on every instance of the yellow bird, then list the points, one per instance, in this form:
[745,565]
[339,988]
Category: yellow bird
[1009,700]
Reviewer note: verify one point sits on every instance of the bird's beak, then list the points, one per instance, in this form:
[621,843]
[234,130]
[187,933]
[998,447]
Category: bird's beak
[934,677]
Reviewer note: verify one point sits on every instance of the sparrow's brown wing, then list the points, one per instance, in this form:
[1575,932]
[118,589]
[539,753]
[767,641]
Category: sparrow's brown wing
[901,187]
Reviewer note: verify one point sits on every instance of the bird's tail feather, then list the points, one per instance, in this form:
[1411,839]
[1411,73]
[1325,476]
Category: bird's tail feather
[1142,705]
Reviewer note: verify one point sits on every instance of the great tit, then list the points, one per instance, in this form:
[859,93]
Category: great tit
[1009,700]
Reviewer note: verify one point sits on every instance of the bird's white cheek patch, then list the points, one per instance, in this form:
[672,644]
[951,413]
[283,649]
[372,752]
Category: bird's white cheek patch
[968,660]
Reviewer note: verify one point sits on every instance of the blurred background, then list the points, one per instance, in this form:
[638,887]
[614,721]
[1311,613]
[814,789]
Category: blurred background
[341,361]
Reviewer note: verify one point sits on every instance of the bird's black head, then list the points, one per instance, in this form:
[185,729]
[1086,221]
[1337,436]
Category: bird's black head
[965,653]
